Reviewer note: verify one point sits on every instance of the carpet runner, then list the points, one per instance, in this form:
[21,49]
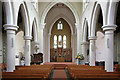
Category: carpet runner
[59,75]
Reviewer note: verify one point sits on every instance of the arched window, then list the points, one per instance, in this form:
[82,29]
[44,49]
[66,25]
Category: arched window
[60,25]
[55,41]
[59,41]
[64,42]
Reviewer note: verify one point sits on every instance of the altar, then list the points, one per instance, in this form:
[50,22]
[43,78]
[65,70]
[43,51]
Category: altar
[61,55]
[60,59]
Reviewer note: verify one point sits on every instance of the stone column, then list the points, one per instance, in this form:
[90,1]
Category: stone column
[78,37]
[73,47]
[11,29]
[92,53]
[27,50]
[84,50]
[42,41]
[49,35]
[44,47]
[109,46]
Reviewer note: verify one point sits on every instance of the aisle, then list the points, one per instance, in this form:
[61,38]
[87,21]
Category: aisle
[59,75]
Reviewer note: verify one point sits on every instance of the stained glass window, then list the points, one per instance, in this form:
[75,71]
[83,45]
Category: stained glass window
[60,25]
[64,42]
[59,41]
[55,41]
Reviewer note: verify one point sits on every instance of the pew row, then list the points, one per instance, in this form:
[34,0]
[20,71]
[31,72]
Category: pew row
[86,72]
[41,72]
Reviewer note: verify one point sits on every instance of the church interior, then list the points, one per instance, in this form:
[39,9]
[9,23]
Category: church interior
[60,40]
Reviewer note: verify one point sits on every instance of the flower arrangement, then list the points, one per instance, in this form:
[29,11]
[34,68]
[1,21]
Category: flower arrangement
[80,56]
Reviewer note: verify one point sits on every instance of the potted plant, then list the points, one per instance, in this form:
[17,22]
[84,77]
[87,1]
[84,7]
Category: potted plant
[79,57]
[22,58]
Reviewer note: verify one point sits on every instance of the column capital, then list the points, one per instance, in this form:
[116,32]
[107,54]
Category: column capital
[36,42]
[42,25]
[92,37]
[10,27]
[109,27]
[77,25]
[49,34]
[74,34]
[27,37]
[84,43]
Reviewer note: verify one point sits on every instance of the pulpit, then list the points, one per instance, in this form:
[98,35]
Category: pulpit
[37,58]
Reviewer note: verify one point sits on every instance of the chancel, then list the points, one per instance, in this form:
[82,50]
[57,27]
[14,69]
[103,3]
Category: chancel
[73,39]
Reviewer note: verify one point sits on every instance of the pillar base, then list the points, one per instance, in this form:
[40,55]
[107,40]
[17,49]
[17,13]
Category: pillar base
[110,70]
[27,64]
[10,71]
[92,65]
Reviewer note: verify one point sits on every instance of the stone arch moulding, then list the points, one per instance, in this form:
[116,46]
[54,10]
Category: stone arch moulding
[85,29]
[9,12]
[54,3]
[24,13]
[58,17]
[34,27]
[95,19]
[112,12]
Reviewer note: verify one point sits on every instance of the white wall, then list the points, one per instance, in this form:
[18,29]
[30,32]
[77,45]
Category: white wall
[20,45]
[100,47]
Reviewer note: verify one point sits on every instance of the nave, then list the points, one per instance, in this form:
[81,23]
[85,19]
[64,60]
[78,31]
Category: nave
[60,31]
[61,71]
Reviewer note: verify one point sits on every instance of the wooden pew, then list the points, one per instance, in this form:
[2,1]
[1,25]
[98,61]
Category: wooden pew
[83,72]
[72,68]
[31,72]
[97,76]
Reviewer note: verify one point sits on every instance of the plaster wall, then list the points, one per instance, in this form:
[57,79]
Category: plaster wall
[100,47]
[20,46]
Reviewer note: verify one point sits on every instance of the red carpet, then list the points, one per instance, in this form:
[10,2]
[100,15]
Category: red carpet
[59,75]
[60,65]
[67,63]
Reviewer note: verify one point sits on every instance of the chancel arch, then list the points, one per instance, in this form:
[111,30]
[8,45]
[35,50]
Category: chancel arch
[54,3]
[64,53]
[51,19]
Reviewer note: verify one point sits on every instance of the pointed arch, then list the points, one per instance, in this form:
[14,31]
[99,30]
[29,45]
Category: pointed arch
[55,41]
[9,12]
[112,11]
[85,30]
[63,17]
[24,13]
[34,30]
[54,3]
[95,18]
